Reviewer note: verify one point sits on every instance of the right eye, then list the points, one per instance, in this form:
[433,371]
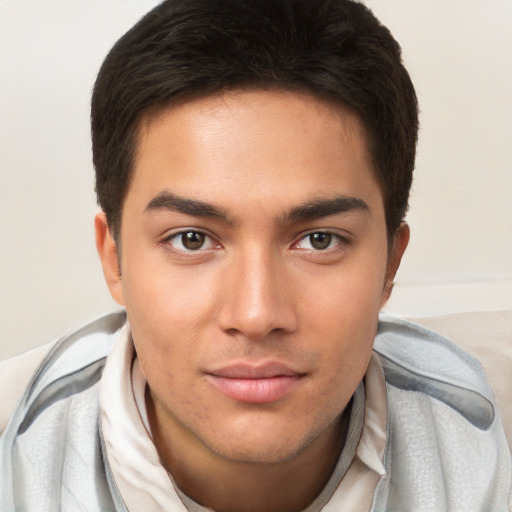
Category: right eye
[190,241]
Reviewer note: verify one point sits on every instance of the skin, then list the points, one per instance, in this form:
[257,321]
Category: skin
[258,172]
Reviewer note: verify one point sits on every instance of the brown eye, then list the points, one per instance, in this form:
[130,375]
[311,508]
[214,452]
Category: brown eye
[193,240]
[320,241]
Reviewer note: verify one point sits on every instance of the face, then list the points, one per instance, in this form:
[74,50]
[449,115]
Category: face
[254,262]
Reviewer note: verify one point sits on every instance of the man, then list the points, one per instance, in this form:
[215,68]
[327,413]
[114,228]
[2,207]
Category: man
[253,162]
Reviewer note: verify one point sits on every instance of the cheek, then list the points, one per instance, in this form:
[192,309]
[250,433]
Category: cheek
[168,316]
[168,296]
[347,297]
[343,315]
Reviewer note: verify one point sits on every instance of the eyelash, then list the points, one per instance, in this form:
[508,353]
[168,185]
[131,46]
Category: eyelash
[342,241]
[179,236]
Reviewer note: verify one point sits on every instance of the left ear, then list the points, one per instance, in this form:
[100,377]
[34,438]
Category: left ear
[400,242]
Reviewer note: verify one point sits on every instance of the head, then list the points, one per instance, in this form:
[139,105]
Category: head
[253,163]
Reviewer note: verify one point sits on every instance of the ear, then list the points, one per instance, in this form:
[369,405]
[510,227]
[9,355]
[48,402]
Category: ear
[400,242]
[107,251]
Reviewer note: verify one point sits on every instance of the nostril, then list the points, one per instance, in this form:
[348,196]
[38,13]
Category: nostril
[244,336]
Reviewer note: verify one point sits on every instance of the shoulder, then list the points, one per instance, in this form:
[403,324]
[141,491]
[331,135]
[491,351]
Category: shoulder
[417,359]
[15,373]
[487,336]
[445,438]
[48,363]
[52,436]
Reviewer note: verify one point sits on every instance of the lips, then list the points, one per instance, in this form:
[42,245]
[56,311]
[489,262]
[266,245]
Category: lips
[260,384]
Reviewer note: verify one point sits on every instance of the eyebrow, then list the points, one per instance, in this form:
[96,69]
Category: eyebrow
[167,201]
[317,209]
[311,210]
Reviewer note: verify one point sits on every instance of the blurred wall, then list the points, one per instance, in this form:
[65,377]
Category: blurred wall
[459,53]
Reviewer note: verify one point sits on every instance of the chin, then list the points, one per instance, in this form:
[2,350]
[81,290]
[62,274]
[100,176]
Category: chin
[262,453]
[262,443]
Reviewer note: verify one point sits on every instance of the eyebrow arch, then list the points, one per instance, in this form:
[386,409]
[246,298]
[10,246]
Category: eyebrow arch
[168,201]
[317,209]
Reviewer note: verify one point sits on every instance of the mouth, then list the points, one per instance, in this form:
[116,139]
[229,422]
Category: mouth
[256,384]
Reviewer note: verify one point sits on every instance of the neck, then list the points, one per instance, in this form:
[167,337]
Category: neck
[225,485]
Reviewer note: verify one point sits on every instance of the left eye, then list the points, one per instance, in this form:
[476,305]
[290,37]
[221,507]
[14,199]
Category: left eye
[319,241]
[190,241]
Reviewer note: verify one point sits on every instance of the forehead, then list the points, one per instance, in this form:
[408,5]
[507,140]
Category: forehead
[235,106]
[256,143]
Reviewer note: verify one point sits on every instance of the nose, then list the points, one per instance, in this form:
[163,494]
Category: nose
[257,299]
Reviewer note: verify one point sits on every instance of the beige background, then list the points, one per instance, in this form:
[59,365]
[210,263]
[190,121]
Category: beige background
[459,53]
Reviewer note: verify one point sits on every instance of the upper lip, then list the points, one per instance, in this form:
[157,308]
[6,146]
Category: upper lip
[264,370]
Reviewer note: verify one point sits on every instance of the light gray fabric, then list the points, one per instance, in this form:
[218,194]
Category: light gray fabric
[487,336]
[50,451]
[74,451]
[15,373]
[445,451]
[437,463]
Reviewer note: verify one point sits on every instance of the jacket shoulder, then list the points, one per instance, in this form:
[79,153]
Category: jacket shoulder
[52,440]
[23,375]
[15,373]
[415,358]
[445,448]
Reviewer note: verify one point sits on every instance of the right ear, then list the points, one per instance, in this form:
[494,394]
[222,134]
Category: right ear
[107,251]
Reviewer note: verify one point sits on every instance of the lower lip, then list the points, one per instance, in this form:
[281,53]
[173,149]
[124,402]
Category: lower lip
[255,391]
